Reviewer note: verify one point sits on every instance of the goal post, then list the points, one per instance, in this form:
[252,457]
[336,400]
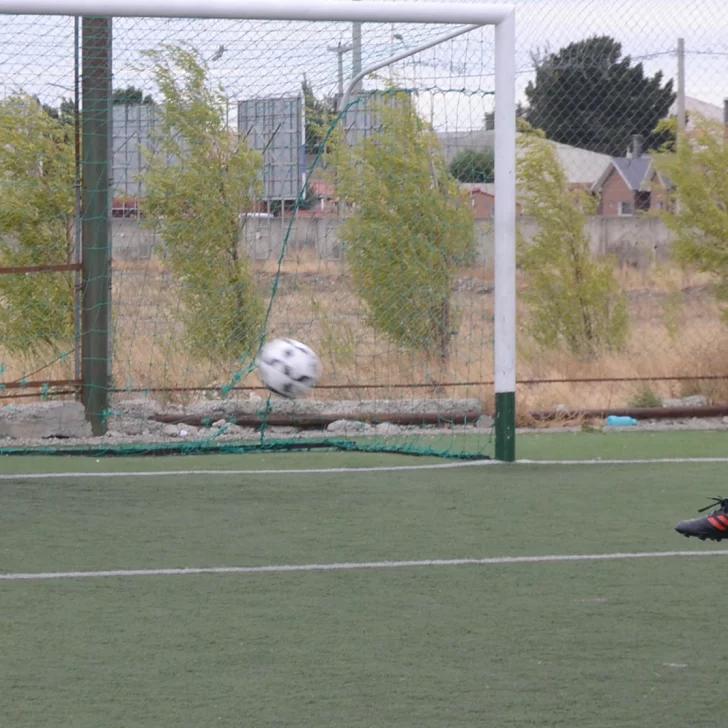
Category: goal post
[449,15]
[505,240]
[351,11]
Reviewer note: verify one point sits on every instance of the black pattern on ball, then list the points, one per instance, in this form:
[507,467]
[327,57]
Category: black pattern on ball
[278,392]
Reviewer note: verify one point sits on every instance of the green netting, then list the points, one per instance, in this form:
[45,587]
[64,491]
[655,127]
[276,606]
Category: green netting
[247,204]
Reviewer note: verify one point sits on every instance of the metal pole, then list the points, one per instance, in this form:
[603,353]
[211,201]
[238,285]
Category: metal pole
[681,119]
[96,298]
[356,54]
[341,73]
[505,240]
[340,50]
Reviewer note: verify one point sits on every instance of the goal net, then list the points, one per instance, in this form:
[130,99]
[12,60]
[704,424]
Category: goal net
[331,182]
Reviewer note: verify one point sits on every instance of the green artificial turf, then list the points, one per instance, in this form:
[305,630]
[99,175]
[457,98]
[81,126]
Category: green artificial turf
[582,644]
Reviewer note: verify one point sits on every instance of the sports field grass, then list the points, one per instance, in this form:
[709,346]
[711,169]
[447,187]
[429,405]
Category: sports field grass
[583,643]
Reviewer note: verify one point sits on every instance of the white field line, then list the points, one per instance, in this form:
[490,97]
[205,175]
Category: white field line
[351,471]
[299,471]
[638,461]
[352,566]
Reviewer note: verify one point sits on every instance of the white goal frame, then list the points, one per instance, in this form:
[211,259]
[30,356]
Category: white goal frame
[363,11]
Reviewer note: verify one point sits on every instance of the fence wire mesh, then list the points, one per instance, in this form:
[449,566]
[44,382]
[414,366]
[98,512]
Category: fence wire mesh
[612,87]
[616,309]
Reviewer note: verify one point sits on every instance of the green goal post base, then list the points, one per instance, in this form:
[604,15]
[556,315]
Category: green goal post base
[505,426]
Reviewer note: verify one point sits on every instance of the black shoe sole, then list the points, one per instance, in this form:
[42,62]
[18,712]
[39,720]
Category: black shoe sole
[703,538]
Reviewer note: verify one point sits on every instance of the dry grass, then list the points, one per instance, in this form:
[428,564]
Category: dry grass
[676,331]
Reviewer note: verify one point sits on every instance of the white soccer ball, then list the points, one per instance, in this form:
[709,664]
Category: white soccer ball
[288,367]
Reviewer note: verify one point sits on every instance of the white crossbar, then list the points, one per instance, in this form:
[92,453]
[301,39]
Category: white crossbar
[336,10]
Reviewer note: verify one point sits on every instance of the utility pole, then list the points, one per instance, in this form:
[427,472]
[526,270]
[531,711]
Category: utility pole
[681,118]
[340,50]
[356,53]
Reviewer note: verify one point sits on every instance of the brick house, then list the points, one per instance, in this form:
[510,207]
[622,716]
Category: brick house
[630,185]
[482,199]
[581,167]
[482,204]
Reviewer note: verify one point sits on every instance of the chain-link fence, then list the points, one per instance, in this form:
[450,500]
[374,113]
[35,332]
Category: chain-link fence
[609,318]
[612,87]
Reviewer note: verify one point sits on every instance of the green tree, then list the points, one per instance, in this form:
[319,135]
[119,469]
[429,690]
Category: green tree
[588,95]
[320,115]
[490,115]
[131,95]
[65,113]
[67,109]
[36,227]
[523,127]
[697,169]
[409,228]
[473,167]
[197,203]
[573,298]
[665,134]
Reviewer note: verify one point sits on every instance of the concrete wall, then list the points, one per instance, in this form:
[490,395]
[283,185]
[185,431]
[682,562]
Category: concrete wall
[264,238]
[130,241]
[635,241]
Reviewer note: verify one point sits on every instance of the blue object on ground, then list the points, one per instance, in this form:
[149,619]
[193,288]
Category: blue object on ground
[620,421]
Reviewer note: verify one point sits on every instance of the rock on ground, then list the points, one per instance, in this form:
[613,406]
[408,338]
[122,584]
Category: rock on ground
[42,420]
[343,427]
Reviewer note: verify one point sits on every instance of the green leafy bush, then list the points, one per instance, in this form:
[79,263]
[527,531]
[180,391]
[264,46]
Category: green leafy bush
[573,297]
[197,204]
[409,227]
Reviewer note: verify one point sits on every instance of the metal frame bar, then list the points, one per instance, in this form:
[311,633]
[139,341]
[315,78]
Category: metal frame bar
[362,11]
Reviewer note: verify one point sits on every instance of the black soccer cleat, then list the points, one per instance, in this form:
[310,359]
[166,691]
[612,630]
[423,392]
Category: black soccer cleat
[713,527]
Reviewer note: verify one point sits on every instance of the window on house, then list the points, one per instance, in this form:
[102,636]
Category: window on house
[642,201]
[626,208]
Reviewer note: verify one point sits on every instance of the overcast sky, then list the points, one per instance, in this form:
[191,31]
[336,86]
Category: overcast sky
[269,58]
